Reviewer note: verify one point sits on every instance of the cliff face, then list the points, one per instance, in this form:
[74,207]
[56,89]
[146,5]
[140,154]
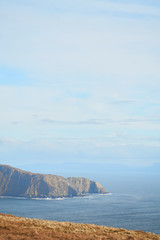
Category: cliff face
[17,183]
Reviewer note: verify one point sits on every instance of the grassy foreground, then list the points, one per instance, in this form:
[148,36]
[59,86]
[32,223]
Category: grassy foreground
[17,228]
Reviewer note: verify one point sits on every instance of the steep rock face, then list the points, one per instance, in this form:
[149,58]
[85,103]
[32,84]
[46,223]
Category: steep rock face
[84,185]
[17,183]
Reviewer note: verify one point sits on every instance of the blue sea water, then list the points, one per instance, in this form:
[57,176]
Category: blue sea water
[130,211]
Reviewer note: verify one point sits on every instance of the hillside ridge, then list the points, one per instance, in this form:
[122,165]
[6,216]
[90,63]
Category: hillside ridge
[19,183]
[16,228]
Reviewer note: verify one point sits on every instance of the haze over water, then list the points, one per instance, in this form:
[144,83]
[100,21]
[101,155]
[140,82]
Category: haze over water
[135,210]
[79,96]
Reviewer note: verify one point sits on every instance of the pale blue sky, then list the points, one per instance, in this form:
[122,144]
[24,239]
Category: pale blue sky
[79,83]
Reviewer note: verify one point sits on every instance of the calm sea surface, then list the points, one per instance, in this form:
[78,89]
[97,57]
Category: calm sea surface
[130,211]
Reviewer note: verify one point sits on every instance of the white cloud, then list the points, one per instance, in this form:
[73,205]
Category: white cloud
[45,45]
[31,112]
[78,151]
[95,72]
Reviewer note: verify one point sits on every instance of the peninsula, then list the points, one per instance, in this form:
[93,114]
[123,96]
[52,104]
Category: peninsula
[18,183]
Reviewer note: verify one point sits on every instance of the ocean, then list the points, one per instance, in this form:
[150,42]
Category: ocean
[130,211]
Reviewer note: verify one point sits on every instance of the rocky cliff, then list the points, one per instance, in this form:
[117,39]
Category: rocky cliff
[17,183]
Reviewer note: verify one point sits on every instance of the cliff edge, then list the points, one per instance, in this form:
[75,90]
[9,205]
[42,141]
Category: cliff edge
[17,183]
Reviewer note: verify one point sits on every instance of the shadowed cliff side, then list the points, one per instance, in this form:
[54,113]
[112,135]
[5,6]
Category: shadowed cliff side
[17,183]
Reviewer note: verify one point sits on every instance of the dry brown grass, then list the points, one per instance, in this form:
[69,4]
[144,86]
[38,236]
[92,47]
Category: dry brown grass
[18,228]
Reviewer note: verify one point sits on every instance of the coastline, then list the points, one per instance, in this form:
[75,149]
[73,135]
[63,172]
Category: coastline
[15,228]
[57,198]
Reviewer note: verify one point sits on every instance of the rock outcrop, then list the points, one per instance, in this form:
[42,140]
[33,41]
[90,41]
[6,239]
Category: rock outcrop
[17,183]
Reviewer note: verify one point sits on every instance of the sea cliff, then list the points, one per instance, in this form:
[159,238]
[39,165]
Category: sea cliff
[18,183]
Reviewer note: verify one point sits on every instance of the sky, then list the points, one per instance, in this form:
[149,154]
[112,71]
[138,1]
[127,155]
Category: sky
[80,85]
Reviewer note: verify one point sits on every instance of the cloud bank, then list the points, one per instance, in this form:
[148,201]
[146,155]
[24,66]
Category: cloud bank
[81,77]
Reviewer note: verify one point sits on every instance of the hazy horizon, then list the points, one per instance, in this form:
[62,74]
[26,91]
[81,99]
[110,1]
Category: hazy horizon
[79,86]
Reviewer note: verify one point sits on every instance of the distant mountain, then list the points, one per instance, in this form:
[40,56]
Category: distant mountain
[17,183]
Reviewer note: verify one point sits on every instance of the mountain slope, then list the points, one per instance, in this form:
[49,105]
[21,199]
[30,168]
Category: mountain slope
[17,183]
[16,228]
